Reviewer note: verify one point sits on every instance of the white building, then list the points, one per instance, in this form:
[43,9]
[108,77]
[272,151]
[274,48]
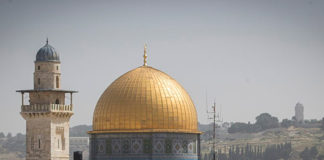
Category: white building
[299,112]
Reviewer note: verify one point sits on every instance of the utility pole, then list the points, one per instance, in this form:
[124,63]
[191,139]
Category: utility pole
[216,118]
[213,112]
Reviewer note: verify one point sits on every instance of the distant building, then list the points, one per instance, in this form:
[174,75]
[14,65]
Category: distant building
[299,112]
[79,144]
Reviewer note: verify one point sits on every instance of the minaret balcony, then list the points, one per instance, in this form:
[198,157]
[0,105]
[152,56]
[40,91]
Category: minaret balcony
[46,108]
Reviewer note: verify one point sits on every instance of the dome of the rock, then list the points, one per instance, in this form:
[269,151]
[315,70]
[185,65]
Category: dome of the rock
[145,115]
[145,100]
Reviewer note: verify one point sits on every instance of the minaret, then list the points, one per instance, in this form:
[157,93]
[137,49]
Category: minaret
[47,116]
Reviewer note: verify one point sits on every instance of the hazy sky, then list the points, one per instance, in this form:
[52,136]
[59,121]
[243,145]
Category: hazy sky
[252,56]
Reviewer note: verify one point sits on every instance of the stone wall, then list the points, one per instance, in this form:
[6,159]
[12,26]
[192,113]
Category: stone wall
[47,137]
[45,75]
[60,138]
[46,97]
[38,139]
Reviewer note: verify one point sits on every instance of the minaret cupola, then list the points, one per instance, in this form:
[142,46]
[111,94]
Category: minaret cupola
[47,54]
[47,73]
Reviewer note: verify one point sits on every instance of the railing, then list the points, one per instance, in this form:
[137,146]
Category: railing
[46,108]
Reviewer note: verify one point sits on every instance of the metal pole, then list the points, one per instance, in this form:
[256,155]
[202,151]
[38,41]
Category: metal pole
[214,118]
[71,98]
[22,98]
[214,133]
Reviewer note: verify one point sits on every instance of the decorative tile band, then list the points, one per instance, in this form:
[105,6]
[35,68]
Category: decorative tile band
[144,146]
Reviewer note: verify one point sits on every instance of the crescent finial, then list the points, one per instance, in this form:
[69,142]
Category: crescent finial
[145,55]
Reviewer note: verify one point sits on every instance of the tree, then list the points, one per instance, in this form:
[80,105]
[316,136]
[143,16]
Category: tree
[266,121]
[19,135]
[313,121]
[205,156]
[286,151]
[286,123]
[320,157]
[238,127]
[244,128]
[313,152]
[9,135]
[322,125]
[2,135]
[305,155]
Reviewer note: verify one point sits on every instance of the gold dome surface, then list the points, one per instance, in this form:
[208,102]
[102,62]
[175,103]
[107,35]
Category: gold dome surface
[145,100]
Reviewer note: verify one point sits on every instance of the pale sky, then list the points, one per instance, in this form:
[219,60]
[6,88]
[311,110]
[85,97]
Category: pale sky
[252,56]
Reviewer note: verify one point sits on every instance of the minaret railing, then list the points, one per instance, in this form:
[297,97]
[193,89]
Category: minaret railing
[46,108]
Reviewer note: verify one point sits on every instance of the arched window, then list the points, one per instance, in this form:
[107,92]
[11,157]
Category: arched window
[57,82]
[57,101]
[56,67]
[39,143]
[32,143]
[38,67]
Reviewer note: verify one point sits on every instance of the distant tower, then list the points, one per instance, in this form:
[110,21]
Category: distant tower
[299,112]
[47,117]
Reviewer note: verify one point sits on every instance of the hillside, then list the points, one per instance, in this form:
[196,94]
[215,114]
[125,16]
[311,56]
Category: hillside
[80,131]
[299,137]
[13,148]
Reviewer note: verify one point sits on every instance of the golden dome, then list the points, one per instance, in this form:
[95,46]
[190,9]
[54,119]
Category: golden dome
[145,100]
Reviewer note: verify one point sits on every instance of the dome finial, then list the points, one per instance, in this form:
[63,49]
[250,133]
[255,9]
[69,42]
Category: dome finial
[46,40]
[145,55]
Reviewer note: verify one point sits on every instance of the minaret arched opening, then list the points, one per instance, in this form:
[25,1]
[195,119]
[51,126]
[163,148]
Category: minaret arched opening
[57,82]
[57,101]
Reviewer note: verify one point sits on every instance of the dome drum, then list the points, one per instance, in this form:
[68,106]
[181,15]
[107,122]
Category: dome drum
[148,146]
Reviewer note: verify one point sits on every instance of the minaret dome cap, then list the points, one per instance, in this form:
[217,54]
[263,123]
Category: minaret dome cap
[47,54]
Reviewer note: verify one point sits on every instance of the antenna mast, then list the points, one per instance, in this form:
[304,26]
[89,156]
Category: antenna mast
[213,112]
[216,117]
